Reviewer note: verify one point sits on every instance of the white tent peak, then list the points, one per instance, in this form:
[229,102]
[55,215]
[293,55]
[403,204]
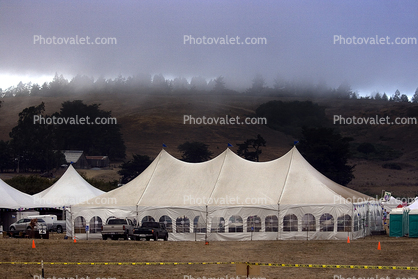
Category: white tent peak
[70,189]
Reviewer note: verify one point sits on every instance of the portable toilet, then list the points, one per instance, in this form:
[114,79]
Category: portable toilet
[413,223]
[396,222]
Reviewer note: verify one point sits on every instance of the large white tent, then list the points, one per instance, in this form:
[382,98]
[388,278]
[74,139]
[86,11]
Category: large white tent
[229,198]
[12,198]
[70,189]
[12,203]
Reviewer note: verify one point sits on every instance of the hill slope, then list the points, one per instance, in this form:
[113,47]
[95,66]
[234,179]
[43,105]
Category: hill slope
[150,120]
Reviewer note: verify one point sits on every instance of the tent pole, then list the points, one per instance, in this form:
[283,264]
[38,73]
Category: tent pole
[137,216]
[352,221]
[72,222]
[278,221]
[307,229]
[206,231]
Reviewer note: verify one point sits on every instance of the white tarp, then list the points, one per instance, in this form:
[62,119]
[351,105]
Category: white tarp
[229,188]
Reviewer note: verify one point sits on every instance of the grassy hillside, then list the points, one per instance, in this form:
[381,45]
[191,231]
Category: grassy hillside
[150,120]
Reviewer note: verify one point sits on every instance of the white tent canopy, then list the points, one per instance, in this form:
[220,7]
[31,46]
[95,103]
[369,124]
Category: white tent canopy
[12,198]
[270,198]
[414,205]
[391,204]
[70,189]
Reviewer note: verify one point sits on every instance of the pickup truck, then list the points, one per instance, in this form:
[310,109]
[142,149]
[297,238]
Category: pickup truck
[150,230]
[58,226]
[116,228]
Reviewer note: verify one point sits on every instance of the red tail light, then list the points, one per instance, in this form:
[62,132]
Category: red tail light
[123,227]
[152,231]
[102,227]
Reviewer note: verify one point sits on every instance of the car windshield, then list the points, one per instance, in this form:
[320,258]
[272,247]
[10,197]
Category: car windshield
[117,222]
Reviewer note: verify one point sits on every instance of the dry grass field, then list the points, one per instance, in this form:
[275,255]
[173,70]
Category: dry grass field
[395,252]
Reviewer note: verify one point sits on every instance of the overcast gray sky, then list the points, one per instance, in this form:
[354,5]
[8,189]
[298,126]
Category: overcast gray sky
[150,39]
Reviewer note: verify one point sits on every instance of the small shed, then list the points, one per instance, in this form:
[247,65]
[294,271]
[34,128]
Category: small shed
[77,158]
[98,161]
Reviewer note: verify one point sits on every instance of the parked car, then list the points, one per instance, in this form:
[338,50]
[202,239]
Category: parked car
[150,230]
[116,228]
[24,224]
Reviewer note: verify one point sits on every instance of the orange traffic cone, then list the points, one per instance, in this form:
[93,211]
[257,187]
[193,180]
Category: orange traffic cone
[33,243]
[348,239]
[378,246]
[75,241]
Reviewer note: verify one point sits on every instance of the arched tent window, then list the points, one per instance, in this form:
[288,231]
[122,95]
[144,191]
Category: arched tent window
[166,220]
[326,223]
[182,225]
[199,226]
[344,223]
[79,225]
[148,219]
[235,224]
[111,217]
[308,223]
[290,223]
[217,225]
[356,222]
[272,223]
[361,220]
[95,224]
[372,220]
[378,220]
[253,223]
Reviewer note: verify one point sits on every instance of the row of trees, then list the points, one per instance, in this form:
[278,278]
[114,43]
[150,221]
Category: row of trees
[397,97]
[36,145]
[140,83]
[147,84]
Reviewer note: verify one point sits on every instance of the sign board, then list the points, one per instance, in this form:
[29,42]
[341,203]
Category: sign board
[387,196]
[247,270]
[42,230]
[87,228]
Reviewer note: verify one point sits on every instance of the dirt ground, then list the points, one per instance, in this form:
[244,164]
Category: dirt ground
[394,252]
